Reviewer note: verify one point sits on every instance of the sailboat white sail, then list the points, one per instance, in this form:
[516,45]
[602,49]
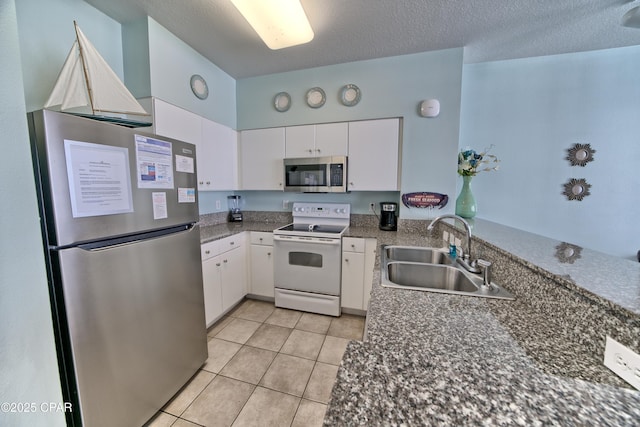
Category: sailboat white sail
[87,84]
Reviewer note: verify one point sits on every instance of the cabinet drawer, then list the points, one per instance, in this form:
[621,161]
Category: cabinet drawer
[231,242]
[209,250]
[352,244]
[261,238]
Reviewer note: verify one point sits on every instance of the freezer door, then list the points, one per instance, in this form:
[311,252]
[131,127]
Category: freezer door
[96,180]
[135,316]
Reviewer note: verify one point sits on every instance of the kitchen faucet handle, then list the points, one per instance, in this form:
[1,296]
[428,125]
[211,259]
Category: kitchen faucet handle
[486,267]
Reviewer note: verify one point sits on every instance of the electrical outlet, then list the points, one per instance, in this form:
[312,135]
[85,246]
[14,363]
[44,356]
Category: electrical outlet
[218,206]
[622,361]
[285,204]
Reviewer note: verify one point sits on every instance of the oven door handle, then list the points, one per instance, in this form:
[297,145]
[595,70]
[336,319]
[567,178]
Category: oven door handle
[302,239]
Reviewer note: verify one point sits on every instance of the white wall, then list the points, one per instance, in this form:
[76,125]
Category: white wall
[28,366]
[533,110]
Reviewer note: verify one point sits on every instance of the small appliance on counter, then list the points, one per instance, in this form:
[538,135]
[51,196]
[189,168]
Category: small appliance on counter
[388,216]
[235,215]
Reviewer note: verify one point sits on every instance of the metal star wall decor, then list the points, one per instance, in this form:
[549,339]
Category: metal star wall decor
[580,154]
[576,189]
[568,253]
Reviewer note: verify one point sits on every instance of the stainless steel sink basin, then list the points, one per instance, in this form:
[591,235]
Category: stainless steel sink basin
[432,276]
[417,254]
[432,270]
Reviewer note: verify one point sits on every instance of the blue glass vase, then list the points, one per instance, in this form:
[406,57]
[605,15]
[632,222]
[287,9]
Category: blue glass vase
[465,203]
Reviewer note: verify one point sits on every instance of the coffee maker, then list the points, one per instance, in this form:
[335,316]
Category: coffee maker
[235,215]
[388,216]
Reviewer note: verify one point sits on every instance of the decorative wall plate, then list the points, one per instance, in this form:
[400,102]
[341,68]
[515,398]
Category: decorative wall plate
[316,97]
[349,95]
[580,154]
[576,189]
[199,86]
[282,101]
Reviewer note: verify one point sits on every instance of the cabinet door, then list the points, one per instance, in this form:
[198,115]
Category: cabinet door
[331,139]
[211,269]
[374,155]
[300,141]
[261,154]
[352,280]
[262,270]
[234,277]
[176,122]
[220,144]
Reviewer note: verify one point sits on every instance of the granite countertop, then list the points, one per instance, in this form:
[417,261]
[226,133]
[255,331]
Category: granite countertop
[435,359]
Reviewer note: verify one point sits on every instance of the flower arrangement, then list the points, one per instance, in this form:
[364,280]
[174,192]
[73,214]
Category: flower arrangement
[471,162]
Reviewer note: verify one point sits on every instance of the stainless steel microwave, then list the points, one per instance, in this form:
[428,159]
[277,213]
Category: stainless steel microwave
[316,174]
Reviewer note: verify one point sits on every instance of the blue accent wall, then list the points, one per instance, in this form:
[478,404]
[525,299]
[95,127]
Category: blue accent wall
[46,35]
[390,87]
[533,110]
[28,363]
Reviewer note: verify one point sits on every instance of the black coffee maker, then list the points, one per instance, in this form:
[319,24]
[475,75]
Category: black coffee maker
[388,216]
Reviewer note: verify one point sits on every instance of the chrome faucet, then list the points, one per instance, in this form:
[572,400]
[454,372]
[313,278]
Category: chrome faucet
[465,261]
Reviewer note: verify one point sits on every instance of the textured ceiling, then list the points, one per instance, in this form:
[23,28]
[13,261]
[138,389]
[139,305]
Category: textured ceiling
[352,30]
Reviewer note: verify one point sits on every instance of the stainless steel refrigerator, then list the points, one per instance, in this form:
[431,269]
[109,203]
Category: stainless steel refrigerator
[119,216]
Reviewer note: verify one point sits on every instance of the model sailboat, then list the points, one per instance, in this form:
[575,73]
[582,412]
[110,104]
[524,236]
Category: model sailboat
[88,87]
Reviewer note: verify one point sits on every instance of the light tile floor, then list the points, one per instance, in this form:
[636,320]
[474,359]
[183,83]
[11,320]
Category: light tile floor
[267,366]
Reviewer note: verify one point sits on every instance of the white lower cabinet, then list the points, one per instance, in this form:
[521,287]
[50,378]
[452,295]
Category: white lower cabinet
[358,258]
[261,260]
[224,275]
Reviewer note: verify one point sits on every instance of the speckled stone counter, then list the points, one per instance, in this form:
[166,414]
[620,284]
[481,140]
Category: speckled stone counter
[434,359]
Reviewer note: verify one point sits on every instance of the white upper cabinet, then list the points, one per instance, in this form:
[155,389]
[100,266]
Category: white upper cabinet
[261,154]
[374,155]
[216,144]
[317,140]
[176,122]
[218,157]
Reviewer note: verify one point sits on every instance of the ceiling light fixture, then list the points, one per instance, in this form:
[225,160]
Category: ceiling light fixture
[279,23]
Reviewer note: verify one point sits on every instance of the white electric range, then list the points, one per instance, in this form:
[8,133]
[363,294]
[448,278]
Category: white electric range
[307,258]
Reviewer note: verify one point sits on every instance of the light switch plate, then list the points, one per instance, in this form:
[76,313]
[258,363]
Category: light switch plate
[623,361]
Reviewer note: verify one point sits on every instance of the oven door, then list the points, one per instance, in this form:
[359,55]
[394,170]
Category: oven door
[307,264]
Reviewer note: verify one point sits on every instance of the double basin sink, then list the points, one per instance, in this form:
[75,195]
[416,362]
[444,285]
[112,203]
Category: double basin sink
[433,270]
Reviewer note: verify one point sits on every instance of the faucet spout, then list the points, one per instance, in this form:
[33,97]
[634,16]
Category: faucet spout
[466,260]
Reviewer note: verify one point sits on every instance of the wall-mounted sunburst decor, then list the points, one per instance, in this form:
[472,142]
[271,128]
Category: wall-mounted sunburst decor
[576,189]
[567,253]
[580,154]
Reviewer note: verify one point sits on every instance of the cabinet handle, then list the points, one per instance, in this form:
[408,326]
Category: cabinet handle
[346,260]
[318,150]
[232,243]
[268,253]
[208,182]
[217,264]
[260,239]
[351,183]
[353,246]
[310,150]
[201,182]
[207,252]
[225,261]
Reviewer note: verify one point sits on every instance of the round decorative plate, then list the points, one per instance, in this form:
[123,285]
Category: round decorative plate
[199,86]
[349,95]
[282,101]
[316,97]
